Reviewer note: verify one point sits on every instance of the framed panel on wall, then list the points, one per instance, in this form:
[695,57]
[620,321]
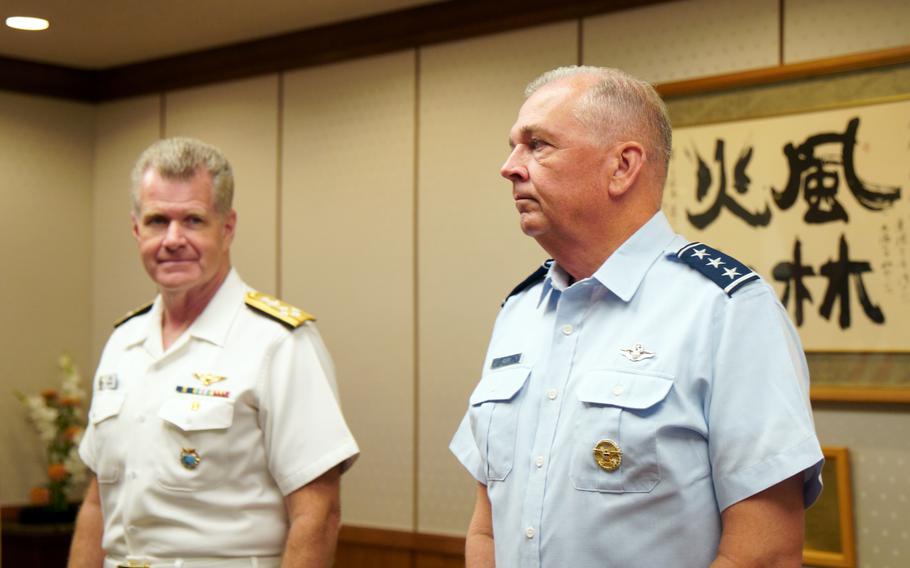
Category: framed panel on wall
[817,201]
[829,522]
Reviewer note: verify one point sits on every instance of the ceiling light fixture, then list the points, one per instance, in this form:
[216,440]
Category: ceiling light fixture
[27,23]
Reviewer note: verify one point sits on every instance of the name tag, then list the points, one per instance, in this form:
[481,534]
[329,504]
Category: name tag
[107,382]
[506,361]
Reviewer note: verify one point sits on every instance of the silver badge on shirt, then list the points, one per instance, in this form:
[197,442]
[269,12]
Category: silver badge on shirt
[636,353]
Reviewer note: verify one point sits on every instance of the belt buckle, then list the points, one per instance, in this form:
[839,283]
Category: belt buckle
[134,564]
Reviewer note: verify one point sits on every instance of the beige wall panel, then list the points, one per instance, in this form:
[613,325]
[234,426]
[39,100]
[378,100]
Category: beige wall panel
[123,129]
[814,29]
[347,218]
[877,439]
[683,40]
[471,250]
[241,118]
[45,221]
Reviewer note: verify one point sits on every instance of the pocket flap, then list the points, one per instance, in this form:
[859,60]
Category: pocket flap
[198,413]
[500,385]
[626,390]
[104,406]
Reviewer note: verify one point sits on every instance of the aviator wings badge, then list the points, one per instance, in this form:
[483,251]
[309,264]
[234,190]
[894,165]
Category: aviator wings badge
[636,352]
[208,379]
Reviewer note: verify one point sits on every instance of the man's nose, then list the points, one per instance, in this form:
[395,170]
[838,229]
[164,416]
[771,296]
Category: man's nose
[514,169]
[173,237]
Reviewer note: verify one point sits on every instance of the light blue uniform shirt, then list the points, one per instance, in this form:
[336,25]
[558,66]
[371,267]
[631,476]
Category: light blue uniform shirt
[719,411]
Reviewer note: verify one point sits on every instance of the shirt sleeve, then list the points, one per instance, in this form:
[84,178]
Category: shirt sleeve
[760,427]
[465,450]
[304,429]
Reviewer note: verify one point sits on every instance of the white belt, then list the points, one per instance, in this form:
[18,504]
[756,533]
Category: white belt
[246,562]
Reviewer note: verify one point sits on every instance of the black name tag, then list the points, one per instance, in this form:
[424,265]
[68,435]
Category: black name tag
[505,361]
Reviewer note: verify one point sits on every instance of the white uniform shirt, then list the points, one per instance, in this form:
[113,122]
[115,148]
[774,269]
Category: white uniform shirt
[275,427]
[717,413]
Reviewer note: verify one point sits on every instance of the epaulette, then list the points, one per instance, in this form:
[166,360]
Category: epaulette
[724,270]
[276,309]
[131,314]
[531,280]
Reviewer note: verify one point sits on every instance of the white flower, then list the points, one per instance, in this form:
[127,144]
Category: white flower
[74,466]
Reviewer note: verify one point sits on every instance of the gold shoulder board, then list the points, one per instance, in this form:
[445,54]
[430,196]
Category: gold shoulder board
[276,309]
[130,315]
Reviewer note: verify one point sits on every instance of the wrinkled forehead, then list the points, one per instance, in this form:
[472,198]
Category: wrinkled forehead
[552,108]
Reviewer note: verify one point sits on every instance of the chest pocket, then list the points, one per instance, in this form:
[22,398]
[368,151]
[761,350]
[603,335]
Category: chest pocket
[196,448]
[494,418]
[615,406]
[103,416]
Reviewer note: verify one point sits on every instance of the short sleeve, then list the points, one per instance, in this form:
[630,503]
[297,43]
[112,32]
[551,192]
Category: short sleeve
[465,450]
[305,431]
[760,427]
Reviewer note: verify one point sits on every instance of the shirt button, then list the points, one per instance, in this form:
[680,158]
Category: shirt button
[617,390]
[539,462]
[131,529]
[133,475]
[529,532]
[141,418]
[567,329]
[551,394]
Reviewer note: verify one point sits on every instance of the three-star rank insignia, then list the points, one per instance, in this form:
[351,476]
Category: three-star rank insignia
[724,270]
[276,309]
[607,455]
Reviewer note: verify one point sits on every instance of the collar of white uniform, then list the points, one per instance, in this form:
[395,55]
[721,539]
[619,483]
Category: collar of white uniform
[213,323]
[624,270]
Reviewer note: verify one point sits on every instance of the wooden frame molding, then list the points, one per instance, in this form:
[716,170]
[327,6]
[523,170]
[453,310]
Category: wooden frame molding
[787,72]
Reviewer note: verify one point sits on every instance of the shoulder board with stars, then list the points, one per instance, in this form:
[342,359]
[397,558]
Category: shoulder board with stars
[724,270]
[276,309]
[537,276]
[131,314]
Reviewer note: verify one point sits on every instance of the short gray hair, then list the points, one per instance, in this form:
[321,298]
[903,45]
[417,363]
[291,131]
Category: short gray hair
[182,159]
[618,102]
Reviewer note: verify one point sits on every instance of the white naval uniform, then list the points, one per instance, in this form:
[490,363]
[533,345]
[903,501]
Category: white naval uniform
[711,408]
[278,428]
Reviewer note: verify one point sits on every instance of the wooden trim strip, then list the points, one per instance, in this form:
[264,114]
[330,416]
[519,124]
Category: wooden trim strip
[402,540]
[51,80]
[373,35]
[852,394]
[788,72]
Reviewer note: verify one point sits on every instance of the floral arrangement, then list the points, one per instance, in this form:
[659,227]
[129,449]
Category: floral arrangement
[59,418]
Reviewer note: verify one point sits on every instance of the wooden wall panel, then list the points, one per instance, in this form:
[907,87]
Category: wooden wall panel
[46,279]
[471,250]
[123,129]
[688,39]
[241,118]
[347,242]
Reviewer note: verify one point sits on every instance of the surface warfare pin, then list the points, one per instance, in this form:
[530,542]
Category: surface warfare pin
[189,458]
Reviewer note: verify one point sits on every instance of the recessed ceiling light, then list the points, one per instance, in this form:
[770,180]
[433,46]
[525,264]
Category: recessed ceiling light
[27,23]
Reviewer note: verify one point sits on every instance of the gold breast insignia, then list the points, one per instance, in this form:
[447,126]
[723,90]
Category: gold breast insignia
[607,455]
[208,379]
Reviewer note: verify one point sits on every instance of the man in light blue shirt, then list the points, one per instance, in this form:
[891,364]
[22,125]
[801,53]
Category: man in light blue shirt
[644,400]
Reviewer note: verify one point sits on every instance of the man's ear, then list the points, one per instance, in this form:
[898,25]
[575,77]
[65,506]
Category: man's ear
[230,226]
[627,163]
[135,223]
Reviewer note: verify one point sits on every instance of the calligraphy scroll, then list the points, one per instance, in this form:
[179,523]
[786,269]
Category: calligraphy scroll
[818,204]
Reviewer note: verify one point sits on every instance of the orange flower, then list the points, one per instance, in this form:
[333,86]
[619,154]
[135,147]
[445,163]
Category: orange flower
[70,433]
[56,472]
[39,496]
[70,401]
[49,394]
